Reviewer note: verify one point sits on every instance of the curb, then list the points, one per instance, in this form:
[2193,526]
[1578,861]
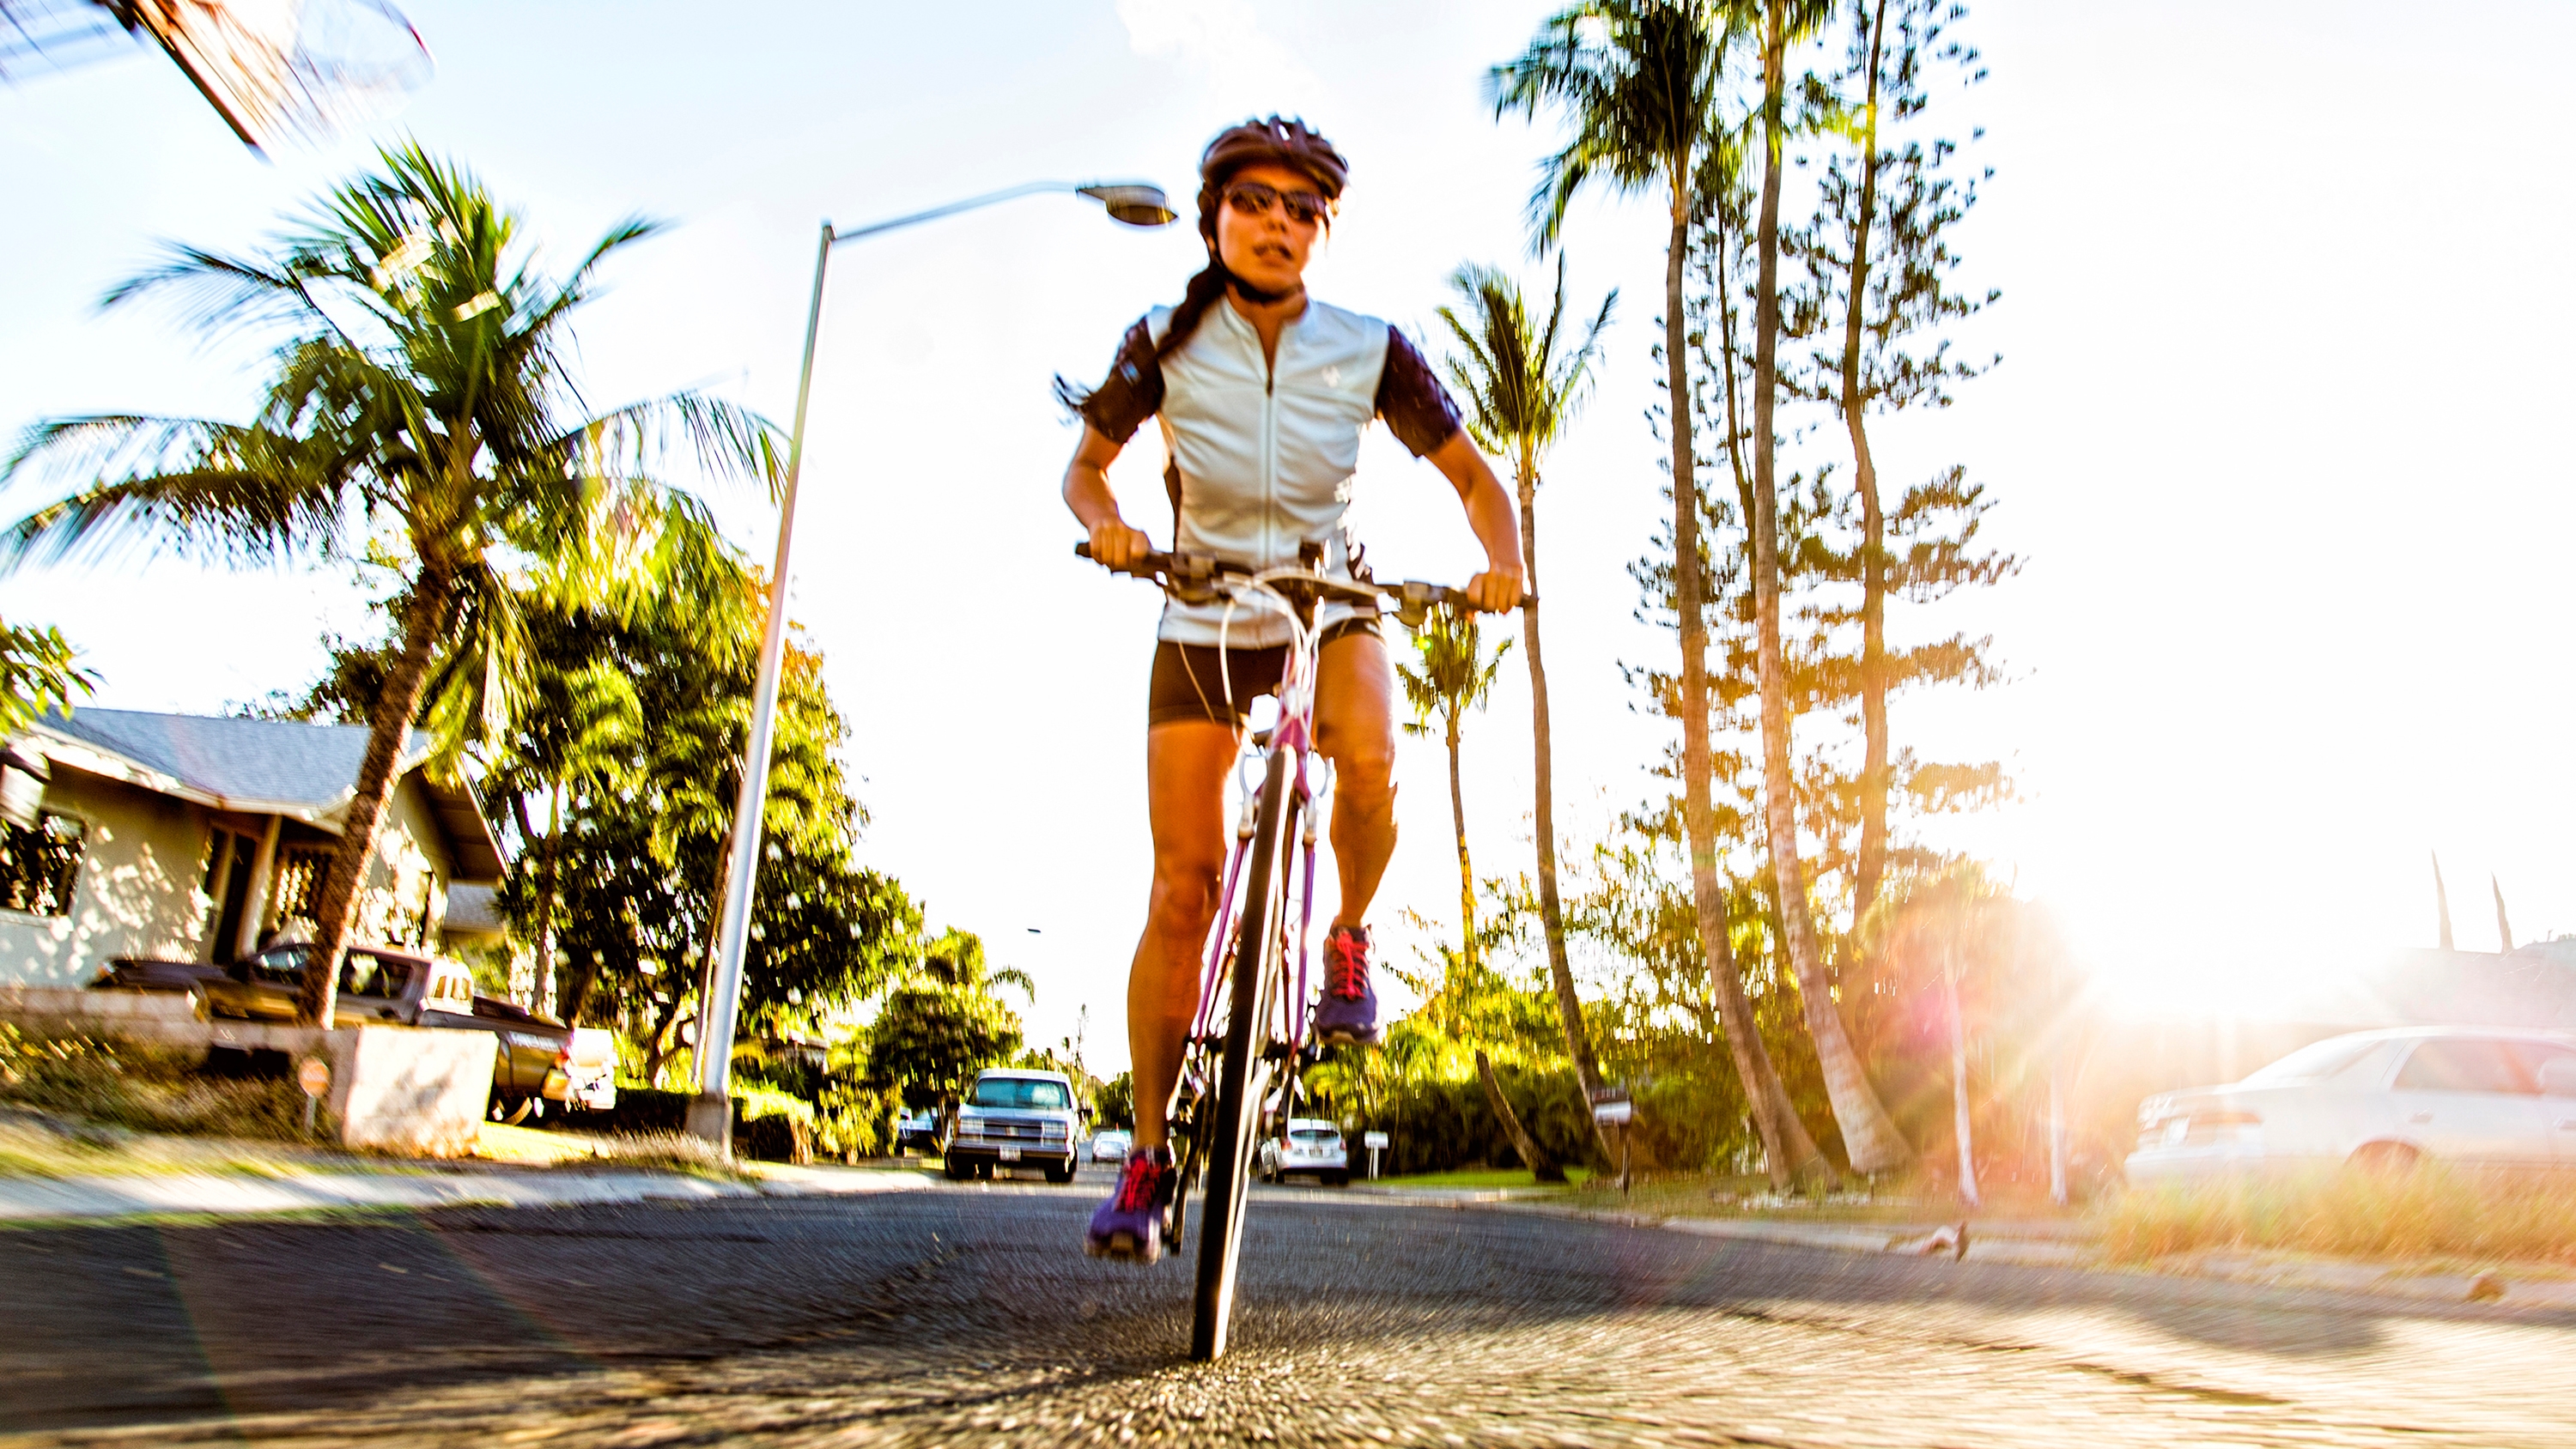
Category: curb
[106,1199]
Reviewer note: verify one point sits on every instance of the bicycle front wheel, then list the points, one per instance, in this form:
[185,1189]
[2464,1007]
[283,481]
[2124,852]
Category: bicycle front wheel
[1234,1118]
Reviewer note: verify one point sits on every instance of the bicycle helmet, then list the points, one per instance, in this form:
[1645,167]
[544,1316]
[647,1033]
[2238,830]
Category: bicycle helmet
[1277,141]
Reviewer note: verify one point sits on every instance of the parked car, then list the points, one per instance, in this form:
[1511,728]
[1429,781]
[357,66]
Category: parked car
[134,973]
[1016,1118]
[2379,1099]
[1111,1146]
[378,984]
[1310,1147]
[917,1132]
[592,1069]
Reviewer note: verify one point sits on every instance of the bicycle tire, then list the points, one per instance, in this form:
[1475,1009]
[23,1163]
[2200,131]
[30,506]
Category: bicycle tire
[1235,1120]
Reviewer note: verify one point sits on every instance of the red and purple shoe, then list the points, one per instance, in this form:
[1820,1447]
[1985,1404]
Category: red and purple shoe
[1138,1215]
[1347,1016]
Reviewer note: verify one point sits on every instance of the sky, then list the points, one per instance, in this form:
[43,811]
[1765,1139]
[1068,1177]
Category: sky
[2281,316]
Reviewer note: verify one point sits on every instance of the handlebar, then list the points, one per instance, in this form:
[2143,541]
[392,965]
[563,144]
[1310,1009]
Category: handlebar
[1411,598]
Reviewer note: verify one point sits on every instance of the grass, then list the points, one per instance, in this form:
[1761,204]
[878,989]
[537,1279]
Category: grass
[666,1151]
[114,1085]
[1477,1178]
[2432,1211]
[87,1106]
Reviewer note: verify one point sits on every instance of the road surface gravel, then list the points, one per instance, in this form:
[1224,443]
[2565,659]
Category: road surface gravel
[967,1315]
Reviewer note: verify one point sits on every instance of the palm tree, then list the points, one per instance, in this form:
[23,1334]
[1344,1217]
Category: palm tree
[1454,677]
[1640,82]
[1522,387]
[1870,1137]
[420,412]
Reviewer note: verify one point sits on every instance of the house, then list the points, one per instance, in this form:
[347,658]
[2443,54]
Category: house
[192,838]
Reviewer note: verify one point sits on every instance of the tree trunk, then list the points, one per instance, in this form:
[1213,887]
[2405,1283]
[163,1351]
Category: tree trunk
[1869,1137]
[1790,1152]
[1875,777]
[1959,1080]
[581,977]
[1527,1146]
[1466,873]
[388,731]
[655,1053]
[546,877]
[1551,908]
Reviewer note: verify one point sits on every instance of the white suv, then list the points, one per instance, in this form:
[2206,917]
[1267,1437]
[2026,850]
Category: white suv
[1309,1146]
[2487,1098]
[1016,1119]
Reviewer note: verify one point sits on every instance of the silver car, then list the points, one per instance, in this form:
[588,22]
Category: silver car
[1310,1146]
[2383,1099]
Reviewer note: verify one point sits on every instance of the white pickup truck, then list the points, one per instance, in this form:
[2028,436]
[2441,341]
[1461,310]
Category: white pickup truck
[1016,1118]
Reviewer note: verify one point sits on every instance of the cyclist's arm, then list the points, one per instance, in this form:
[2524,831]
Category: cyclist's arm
[1111,413]
[1087,493]
[1423,417]
[1491,514]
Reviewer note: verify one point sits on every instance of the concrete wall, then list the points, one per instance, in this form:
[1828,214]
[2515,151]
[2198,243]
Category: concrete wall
[137,893]
[408,1089]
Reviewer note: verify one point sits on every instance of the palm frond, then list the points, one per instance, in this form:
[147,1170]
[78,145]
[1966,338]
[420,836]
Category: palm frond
[729,440]
[199,489]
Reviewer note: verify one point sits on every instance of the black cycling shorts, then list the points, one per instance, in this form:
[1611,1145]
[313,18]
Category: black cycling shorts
[1189,682]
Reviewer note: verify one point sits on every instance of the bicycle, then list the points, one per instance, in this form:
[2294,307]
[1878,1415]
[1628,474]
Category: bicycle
[1250,1038]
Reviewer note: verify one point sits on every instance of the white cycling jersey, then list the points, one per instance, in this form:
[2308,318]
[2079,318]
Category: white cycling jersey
[1267,452]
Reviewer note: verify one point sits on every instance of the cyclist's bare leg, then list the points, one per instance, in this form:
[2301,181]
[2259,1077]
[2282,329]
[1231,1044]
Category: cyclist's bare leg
[1355,729]
[1185,769]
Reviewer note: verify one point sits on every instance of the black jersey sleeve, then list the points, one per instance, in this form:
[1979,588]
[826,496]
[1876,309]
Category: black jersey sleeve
[1417,409]
[1133,391]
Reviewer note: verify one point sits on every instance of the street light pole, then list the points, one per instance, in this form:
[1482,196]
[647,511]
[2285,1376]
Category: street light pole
[711,1111]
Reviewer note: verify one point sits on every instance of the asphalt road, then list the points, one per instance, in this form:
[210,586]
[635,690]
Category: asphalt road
[967,1315]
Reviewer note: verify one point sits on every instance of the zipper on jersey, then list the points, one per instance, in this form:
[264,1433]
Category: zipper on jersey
[1269,448]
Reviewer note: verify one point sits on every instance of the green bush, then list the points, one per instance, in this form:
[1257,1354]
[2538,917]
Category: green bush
[1442,1126]
[116,1084]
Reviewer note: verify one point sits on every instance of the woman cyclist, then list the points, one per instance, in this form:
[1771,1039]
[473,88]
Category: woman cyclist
[1262,394]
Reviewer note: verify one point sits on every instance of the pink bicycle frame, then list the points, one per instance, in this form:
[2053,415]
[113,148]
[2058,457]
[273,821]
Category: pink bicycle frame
[1294,731]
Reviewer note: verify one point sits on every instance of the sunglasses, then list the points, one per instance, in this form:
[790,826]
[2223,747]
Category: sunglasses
[1252,198]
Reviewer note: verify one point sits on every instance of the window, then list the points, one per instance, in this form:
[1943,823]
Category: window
[1020,1092]
[2315,1061]
[38,867]
[299,883]
[280,965]
[364,973]
[2552,1068]
[2462,1064]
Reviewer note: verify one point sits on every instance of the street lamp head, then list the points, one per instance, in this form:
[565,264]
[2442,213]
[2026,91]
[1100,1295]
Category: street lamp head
[1133,205]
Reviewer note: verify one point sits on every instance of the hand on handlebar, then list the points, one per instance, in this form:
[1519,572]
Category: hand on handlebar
[1496,591]
[1114,545]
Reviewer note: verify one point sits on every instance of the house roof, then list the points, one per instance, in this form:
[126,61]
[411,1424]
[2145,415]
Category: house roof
[473,910]
[261,767]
